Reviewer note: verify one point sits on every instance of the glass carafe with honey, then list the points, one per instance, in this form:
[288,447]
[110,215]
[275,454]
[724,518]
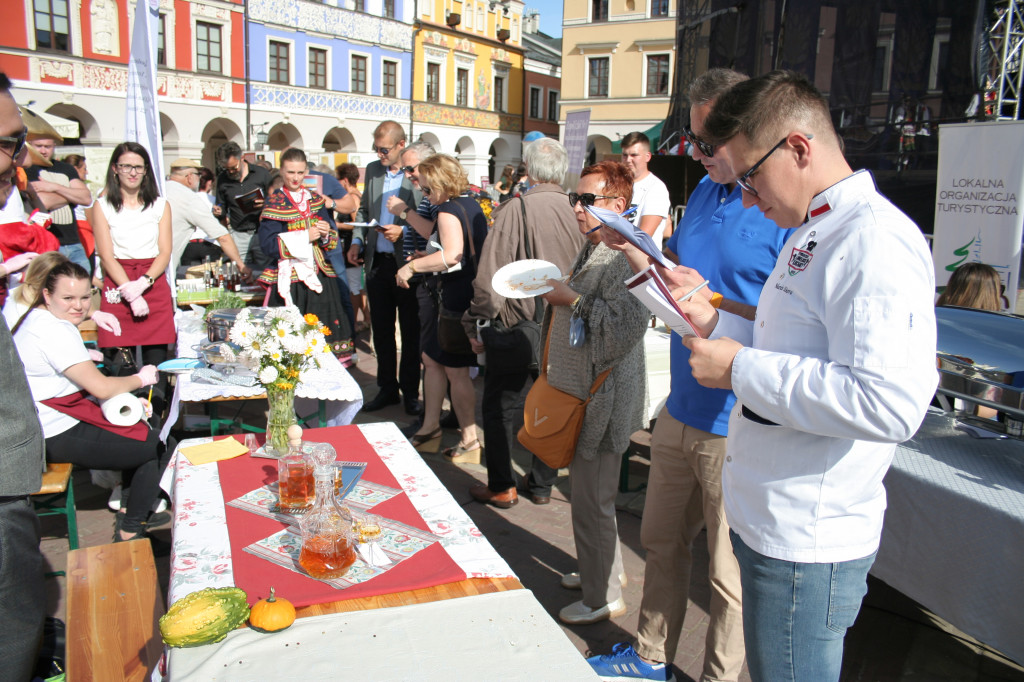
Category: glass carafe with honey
[328,546]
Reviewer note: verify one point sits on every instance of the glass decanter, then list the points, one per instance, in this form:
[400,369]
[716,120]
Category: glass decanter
[328,546]
[295,482]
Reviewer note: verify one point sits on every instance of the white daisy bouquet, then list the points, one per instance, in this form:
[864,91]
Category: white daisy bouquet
[282,345]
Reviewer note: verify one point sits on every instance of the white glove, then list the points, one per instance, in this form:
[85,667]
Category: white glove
[148,375]
[18,262]
[139,307]
[134,289]
[107,321]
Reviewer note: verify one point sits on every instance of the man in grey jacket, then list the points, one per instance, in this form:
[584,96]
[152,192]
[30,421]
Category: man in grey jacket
[22,596]
[539,225]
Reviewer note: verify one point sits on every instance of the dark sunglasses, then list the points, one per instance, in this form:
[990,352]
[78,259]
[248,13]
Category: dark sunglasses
[409,169]
[587,198]
[13,145]
[382,150]
[705,148]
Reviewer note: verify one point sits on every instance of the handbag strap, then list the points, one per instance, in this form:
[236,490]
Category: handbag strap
[538,304]
[544,364]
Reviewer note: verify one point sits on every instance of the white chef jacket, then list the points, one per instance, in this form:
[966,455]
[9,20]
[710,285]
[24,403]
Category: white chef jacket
[842,358]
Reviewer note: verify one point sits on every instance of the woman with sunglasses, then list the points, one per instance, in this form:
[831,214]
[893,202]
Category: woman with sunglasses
[132,226]
[453,265]
[62,378]
[595,324]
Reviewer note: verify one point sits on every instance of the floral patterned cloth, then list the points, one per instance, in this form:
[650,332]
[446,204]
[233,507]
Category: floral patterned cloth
[201,555]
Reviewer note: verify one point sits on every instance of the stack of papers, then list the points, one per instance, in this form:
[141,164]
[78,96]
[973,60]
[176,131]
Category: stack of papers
[215,451]
[650,288]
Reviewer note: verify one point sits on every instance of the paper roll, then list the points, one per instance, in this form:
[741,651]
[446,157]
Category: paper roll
[122,410]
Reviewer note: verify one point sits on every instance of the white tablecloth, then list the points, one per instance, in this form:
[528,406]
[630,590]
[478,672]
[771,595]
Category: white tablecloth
[201,556]
[332,383]
[954,531]
[498,636]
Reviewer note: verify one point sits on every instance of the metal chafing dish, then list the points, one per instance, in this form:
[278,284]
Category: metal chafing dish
[218,322]
[981,360]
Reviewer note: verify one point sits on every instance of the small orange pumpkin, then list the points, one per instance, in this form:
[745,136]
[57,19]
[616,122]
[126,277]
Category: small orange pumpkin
[271,614]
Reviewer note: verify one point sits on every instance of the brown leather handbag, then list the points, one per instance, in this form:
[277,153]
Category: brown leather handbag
[552,419]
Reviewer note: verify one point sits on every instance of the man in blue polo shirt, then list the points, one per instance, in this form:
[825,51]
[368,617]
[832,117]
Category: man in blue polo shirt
[735,249]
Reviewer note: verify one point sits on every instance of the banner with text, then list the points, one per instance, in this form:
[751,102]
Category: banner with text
[142,119]
[978,200]
[577,124]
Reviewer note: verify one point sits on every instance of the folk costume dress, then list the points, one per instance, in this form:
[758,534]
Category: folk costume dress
[287,212]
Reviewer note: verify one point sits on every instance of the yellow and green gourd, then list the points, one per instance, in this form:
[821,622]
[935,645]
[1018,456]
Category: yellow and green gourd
[204,617]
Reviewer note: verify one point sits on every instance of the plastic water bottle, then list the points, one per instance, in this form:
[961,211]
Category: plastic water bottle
[480,326]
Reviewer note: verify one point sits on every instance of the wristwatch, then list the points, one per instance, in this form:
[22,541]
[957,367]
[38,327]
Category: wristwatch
[403,214]
[148,279]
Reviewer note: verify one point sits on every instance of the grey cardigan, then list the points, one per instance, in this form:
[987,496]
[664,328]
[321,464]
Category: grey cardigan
[615,324]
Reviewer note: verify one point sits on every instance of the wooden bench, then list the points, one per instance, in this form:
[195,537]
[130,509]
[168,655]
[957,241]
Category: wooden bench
[56,497]
[113,605]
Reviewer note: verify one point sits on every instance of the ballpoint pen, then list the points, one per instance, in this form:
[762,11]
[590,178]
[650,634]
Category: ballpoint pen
[695,290]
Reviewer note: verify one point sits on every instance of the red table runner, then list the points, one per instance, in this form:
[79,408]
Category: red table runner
[427,568]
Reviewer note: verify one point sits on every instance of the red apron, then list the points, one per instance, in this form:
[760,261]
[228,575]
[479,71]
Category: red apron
[157,328]
[79,406]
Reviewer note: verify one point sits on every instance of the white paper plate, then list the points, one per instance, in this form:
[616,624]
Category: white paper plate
[524,278]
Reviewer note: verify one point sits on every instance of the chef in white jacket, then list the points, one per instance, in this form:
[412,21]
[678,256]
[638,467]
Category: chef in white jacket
[836,369]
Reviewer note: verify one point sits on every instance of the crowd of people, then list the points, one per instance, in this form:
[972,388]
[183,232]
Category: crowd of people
[813,357]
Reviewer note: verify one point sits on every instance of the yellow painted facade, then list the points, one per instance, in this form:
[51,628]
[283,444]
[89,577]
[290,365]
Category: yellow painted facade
[635,35]
[472,47]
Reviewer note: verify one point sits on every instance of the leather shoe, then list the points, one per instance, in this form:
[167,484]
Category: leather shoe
[382,400]
[536,499]
[579,613]
[413,406]
[503,500]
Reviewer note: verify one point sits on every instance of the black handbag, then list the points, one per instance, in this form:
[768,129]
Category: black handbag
[515,349]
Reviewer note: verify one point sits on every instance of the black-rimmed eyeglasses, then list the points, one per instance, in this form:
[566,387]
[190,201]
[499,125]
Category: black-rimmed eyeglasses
[705,148]
[12,145]
[587,198]
[744,180]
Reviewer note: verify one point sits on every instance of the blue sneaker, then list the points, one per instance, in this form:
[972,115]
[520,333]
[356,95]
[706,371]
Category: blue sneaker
[624,664]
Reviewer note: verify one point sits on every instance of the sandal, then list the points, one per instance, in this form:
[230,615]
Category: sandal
[461,454]
[427,442]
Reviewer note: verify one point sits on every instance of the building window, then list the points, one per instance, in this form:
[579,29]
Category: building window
[534,102]
[389,9]
[552,105]
[598,77]
[318,68]
[161,40]
[883,67]
[390,79]
[277,71]
[657,74]
[462,87]
[433,82]
[208,47]
[599,10]
[659,8]
[499,93]
[358,73]
[52,25]
[359,5]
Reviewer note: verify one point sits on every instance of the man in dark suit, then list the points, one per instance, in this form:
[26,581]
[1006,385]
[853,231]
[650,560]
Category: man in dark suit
[380,251]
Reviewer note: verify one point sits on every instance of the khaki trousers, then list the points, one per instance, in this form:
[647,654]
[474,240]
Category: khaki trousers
[684,492]
[594,527]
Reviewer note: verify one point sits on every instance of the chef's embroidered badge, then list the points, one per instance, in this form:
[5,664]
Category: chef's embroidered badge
[798,260]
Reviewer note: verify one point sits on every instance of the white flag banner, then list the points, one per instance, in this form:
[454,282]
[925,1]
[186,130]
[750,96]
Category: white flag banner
[979,200]
[142,118]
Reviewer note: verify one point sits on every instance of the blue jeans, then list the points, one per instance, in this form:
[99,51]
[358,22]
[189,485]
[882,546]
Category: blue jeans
[795,615]
[76,254]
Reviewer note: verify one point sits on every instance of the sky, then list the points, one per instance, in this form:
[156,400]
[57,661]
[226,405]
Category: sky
[550,15]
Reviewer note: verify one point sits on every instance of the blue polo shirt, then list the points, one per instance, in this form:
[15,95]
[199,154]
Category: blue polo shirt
[735,249]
